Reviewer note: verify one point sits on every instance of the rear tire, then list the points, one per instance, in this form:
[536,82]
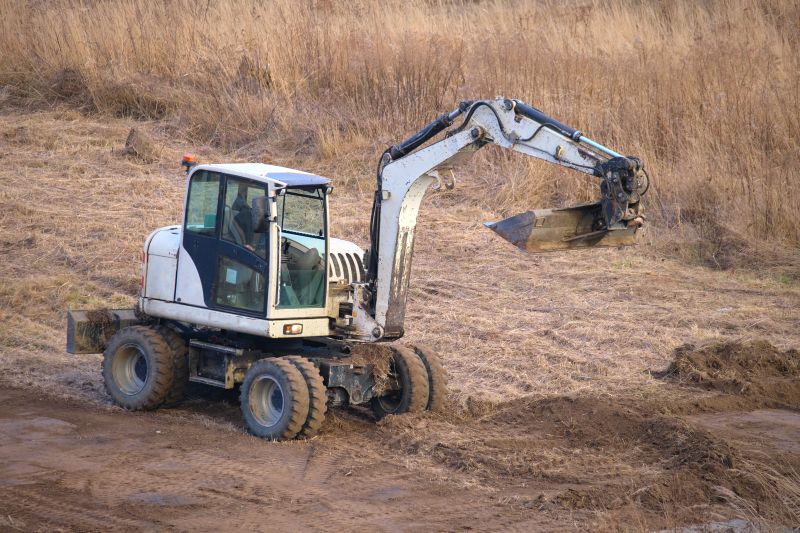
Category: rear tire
[138,370]
[437,378]
[274,399]
[317,395]
[180,365]
[408,370]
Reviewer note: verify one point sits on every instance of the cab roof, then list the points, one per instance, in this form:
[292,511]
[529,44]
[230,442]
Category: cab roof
[279,176]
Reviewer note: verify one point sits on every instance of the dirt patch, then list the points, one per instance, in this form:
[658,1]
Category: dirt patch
[755,369]
[775,429]
[68,466]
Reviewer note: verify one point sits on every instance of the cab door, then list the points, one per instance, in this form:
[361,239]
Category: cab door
[240,283]
[197,255]
[222,263]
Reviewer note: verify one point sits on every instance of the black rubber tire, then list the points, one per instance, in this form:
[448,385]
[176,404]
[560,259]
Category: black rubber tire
[293,399]
[138,368]
[180,366]
[413,380]
[437,377]
[317,395]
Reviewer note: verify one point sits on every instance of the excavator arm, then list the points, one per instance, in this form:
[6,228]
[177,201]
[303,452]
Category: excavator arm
[407,169]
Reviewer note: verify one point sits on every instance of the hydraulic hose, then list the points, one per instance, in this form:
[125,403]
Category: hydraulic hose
[427,132]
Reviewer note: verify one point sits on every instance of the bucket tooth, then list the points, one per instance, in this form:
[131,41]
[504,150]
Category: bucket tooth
[545,230]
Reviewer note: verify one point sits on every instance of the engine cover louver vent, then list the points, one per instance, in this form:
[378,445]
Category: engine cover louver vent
[347,266]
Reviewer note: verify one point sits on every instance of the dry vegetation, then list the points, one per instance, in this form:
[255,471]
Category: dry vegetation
[551,358]
[705,92]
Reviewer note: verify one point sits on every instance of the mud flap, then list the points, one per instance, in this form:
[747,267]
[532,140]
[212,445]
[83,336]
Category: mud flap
[545,230]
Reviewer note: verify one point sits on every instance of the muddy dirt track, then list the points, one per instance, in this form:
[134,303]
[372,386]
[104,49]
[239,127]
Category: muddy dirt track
[531,464]
[69,466]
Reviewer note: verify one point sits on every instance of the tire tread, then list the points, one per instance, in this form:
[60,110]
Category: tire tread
[437,377]
[317,395]
[420,390]
[180,365]
[415,400]
[298,393]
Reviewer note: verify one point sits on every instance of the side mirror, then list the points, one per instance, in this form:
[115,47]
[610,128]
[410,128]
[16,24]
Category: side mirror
[263,213]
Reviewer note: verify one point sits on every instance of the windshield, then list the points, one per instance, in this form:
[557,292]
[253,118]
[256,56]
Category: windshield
[302,211]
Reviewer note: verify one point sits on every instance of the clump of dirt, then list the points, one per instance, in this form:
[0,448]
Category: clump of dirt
[755,369]
[379,356]
[601,452]
[100,326]
[140,145]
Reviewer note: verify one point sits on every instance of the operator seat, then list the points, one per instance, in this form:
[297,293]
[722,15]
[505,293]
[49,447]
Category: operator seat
[308,260]
[309,277]
[233,230]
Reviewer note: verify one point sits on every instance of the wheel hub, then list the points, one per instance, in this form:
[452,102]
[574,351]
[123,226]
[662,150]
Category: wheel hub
[130,369]
[266,400]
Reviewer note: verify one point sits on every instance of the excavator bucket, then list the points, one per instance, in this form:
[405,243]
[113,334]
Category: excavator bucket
[546,230]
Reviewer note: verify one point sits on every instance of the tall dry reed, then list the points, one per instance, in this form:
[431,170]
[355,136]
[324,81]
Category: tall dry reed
[707,93]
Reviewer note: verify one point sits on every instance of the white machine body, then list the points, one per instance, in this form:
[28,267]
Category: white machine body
[172,287]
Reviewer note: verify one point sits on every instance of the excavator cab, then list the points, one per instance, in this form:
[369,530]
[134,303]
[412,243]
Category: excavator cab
[254,244]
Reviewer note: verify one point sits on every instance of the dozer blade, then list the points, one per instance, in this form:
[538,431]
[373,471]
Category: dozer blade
[546,230]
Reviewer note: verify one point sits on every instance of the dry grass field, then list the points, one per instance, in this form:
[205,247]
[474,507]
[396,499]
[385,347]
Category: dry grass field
[705,92]
[574,405]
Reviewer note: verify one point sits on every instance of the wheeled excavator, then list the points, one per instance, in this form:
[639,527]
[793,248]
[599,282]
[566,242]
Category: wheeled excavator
[251,291]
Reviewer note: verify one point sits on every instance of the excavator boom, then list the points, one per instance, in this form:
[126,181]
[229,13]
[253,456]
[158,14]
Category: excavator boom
[407,169]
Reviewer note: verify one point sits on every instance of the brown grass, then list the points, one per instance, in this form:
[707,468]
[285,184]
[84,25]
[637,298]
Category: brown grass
[705,92]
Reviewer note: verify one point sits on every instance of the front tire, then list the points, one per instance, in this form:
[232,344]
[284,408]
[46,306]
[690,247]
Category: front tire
[274,399]
[408,371]
[138,370]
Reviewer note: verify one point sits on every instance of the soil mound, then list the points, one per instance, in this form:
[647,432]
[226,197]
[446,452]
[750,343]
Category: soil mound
[595,452]
[623,425]
[577,443]
[756,369]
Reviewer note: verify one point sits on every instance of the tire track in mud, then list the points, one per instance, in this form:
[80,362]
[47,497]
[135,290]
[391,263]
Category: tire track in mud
[375,492]
[70,466]
[70,513]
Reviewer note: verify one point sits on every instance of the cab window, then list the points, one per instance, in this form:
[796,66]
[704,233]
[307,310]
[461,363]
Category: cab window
[239,286]
[302,211]
[237,223]
[301,217]
[201,210]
